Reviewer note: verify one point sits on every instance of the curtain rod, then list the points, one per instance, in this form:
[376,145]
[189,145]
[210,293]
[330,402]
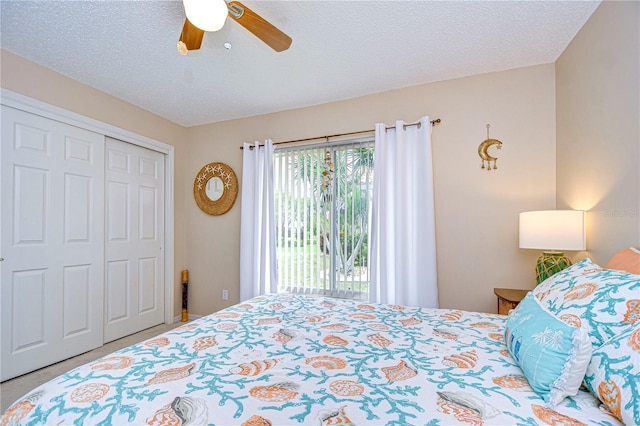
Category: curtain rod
[433,123]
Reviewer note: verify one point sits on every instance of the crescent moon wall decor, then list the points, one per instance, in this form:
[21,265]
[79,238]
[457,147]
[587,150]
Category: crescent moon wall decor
[484,154]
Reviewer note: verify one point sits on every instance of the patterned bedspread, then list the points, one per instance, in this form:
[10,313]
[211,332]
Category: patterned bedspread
[288,359]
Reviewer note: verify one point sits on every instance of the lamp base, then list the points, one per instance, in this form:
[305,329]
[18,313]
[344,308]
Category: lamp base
[549,263]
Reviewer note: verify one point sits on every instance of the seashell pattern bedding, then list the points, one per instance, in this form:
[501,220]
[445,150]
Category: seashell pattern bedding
[300,360]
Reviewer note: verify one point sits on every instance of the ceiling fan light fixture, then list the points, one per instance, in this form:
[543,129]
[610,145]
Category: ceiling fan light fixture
[208,15]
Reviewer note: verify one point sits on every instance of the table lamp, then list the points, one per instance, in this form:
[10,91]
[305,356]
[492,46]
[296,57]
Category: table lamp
[550,231]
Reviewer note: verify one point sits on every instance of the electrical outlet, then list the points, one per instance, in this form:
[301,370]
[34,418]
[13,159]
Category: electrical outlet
[225,294]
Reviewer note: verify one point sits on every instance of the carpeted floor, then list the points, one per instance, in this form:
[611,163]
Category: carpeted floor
[14,389]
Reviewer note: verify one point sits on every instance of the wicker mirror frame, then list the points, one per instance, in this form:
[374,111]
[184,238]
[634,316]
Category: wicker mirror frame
[230,182]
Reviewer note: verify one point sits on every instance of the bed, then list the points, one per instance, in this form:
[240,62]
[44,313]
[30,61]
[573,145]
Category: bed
[293,359]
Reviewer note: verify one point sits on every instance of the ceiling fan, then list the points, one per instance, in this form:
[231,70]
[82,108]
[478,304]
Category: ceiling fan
[213,18]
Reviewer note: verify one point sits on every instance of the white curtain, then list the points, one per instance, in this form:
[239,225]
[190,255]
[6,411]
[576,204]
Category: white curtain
[257,224]
[403,246]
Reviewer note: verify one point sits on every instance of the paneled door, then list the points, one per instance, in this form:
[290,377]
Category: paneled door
[134,258]
[52,249]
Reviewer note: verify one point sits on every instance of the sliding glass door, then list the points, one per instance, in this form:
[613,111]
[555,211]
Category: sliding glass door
[323,198]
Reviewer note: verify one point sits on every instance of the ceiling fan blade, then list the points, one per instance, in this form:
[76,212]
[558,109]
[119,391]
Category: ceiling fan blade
[259,27]
[190,38]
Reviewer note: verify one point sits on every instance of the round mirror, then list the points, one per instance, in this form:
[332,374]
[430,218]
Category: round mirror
[215,188]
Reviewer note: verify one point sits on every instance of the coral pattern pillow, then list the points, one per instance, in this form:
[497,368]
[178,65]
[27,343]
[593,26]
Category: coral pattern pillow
[605,302]
[625,260]
[613,375]
[552,354]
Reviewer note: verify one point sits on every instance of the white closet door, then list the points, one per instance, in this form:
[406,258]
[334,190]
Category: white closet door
[52,226]
[134,258]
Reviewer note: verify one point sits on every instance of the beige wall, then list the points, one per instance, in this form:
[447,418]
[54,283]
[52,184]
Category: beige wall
[32,80]
[476,210]
[598,158]
[598,136]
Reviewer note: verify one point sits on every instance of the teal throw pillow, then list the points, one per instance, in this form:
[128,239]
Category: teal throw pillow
[552,354]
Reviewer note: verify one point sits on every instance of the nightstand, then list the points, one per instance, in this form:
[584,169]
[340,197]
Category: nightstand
[508,298]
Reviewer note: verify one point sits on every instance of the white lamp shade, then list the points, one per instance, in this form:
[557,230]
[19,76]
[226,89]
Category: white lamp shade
[553,230]
[208,15]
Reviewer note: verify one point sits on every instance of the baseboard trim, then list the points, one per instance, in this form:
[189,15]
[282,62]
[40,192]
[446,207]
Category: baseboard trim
[191,317]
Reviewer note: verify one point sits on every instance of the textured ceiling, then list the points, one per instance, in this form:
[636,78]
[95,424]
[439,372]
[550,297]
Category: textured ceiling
[340,49]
